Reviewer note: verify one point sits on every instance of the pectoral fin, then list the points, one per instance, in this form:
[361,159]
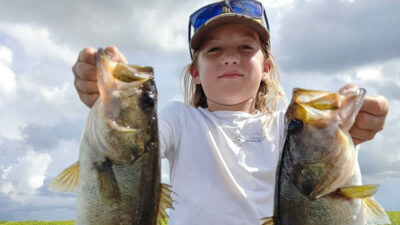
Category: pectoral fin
[267,221]
[165,202]
[362,191]
[108,185]
[67,180]
[373,212]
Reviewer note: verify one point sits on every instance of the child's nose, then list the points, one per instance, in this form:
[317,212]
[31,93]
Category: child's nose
[231,57]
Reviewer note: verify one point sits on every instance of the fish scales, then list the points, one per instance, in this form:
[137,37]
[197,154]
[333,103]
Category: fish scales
[318,178]
[119,160]
[295,206]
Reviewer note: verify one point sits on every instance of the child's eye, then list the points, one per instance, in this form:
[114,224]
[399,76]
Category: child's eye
[214,49]
[246,47]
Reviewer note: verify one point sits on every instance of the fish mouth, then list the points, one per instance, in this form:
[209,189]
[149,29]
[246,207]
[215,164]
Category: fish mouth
[124,72]
[315,107]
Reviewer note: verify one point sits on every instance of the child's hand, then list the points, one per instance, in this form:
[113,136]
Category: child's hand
[85,73]
[371,118]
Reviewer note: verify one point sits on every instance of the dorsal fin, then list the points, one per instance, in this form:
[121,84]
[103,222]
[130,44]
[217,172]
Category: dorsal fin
[67,180]
[164,203]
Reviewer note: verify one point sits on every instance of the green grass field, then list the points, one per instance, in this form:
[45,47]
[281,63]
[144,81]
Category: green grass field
[394,217]
[70,222]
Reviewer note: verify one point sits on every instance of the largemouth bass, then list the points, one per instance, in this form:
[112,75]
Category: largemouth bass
[318,179]
[118,175]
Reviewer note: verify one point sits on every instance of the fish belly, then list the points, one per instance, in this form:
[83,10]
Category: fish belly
[332,209]
[138,183]
[92,207]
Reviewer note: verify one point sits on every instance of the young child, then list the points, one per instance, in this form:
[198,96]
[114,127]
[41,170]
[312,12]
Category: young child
[223,144]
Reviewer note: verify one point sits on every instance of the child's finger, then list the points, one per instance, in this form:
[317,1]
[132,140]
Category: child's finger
[361,135]
[369,121]
[375,105]
[115,54]
[87,87]
[88,99]
[88,55]
[84,71]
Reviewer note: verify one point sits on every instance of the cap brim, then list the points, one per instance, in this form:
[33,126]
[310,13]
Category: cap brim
[228,18]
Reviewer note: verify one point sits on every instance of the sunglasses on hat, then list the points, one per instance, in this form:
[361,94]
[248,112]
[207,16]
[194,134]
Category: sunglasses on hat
[250,8]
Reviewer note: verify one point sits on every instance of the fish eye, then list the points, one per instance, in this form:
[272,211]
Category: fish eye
[148,99]
[295,125]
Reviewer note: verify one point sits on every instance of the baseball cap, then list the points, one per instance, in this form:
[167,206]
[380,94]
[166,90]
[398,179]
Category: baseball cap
[247,12]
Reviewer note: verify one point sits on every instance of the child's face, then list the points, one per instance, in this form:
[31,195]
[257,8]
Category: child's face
[230,64]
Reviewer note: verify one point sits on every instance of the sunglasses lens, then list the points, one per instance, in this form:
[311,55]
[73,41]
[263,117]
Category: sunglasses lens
[204,14]
[248,8]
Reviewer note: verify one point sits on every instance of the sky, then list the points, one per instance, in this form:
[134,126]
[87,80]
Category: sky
[321,45]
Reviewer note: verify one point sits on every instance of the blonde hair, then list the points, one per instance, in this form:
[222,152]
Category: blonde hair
[269,94]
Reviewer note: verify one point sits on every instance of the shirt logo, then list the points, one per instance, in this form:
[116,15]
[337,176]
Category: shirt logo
[256,137]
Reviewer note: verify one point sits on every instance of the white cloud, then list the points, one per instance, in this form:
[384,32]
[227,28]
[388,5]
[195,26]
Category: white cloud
[345,78]
[5,56]
[56,95]
[369,74]
[63,156]
[42,91]
[314,38]
[36,41]
[277,4]
[24,176]
[19,181]
[39,101]
[8,83]
[398,80]
[166,32]
[381,78]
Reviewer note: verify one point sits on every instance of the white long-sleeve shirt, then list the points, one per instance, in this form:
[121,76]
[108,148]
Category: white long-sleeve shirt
[216,180]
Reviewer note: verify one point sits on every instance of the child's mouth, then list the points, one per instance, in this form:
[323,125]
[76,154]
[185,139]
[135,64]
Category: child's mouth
[231,75]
